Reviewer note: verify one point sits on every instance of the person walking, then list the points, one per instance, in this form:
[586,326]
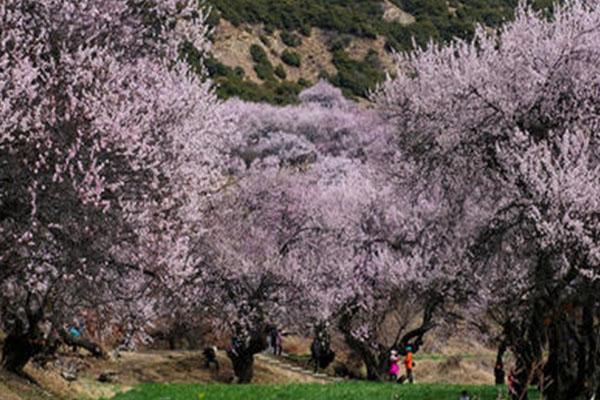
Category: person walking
[409,363]
[499,377]
[499,373]
[278,343]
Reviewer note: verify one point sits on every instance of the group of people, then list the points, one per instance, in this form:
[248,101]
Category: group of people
[408,364]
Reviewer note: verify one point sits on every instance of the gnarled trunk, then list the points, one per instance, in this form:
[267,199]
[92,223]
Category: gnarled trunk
[80,342]
[376,361]
[242,354]
[572,367]
[521,378]
[499,373]
[376,358]
[243,366]
[17,351]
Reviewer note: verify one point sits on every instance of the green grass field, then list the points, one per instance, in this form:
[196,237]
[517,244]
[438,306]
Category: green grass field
[340,391]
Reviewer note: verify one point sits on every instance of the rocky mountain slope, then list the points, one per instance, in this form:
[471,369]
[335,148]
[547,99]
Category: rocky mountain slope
[269,50]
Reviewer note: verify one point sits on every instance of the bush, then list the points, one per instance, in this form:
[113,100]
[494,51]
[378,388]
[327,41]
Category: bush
[287,92]
[305,29]
[270,91]
[280,72]
[258,54]
[290,39]
[304,83]
[357,77]
[239,71]
[262,65]
[230,82]
[269,29]
[291,58]
[339,42]
[264,71]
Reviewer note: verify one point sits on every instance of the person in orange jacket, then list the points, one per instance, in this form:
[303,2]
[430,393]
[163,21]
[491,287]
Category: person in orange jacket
[408,363]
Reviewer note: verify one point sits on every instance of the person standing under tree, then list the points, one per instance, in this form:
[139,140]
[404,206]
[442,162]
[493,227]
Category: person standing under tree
[499,378]
[278,343]
[408,363]
[394,368]
[276,340]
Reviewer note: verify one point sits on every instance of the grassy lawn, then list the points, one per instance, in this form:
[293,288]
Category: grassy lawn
[340,391]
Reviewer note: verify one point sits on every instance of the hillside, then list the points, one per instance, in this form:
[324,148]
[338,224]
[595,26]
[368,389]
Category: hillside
[269,50]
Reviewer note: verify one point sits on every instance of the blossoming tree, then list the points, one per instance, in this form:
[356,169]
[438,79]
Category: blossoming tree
[505,129]
[108,150]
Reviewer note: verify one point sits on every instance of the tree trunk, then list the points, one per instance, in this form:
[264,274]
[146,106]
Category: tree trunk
[376,362]
[242,354]
[243,366]
[572,363]
[522,376]
[88,345]
[499,373]
[593,360]
[554,371]
[17,351]
[172,341]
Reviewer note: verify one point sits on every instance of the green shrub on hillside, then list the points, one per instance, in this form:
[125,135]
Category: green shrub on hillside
[357,77]
[281,93]
[264,71]
[262,65]
[305,29]
[290,39]
[280,72]
[339,42]
[357,16]
[291,58]
[259,56]
[364,18]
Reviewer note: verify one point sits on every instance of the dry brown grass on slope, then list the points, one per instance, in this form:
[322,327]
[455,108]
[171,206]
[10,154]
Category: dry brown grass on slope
[17,388]
[131,369]
[455,370]
[455,360]
[232,47]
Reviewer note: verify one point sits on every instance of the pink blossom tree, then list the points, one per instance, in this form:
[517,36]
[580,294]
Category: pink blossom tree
[265,243]
[504,128]
[109,149]
[323,124]
[251,276]
[379,283]
[355,262]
